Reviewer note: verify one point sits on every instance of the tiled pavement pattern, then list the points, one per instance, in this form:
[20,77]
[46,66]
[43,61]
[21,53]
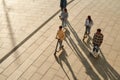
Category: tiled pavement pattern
[19,18]
[34,60]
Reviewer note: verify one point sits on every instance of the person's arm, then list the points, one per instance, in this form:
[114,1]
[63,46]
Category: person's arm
[57,35]
[101,40]
[85,22]
[93,38]
[63,35]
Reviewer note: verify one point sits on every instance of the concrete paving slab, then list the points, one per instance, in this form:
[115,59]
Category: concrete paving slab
[74,62]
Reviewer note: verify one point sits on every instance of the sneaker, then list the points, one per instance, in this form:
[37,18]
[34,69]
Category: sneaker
[85,36]
[62,46]
[96,55]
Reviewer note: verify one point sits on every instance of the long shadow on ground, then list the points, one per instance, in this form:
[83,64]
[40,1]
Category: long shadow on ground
[101,65]
[29,36]
[63,57]
[84,61]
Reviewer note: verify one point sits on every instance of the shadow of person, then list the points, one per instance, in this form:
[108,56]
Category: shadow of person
[63,58]
[89,42]
[101,65]
[108,72]
[67,34]
[111,73]
[84,61]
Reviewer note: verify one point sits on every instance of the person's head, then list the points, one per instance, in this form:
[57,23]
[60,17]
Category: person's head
[65,9]
[60,27]
[99,30]
[89,17]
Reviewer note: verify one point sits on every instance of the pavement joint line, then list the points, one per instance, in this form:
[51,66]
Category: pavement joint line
[28,37]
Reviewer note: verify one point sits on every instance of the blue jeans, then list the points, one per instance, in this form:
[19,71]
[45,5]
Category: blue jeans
[64,22]
[87,30]
[95,48]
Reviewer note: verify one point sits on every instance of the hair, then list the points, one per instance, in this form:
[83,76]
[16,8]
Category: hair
[65,9]
[60,27]
[98,30]
[89,17]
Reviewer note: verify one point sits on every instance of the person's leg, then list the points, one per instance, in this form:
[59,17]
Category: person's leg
[94,47]
[85,30]
[85,34]
[97,48]
[63,22]
[60,44]
[88,30]
[61,5]
[96,51]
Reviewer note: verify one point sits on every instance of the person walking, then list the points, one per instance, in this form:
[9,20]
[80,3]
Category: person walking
[64,17]
[88,25]
[97,40]
[63,4]
[60,36]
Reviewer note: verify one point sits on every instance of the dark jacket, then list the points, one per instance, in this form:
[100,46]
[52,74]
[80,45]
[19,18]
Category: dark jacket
[63,3]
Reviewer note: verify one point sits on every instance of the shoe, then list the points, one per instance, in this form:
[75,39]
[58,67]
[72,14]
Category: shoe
[96,55]
[85,36]
[62,46]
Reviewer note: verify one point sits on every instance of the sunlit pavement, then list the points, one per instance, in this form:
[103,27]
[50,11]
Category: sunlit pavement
[27,41]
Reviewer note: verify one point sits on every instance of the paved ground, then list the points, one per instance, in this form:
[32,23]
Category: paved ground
[34,60]
[20,18]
